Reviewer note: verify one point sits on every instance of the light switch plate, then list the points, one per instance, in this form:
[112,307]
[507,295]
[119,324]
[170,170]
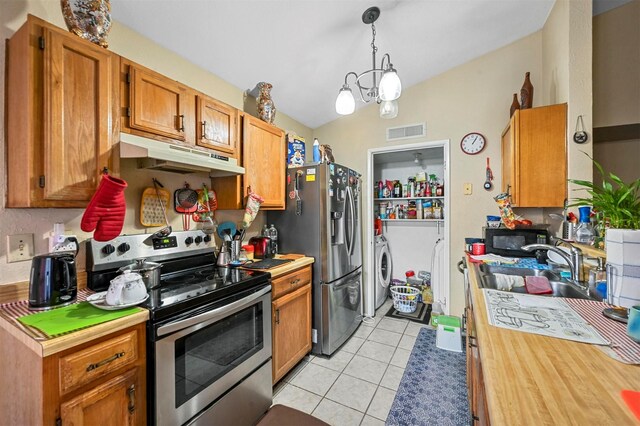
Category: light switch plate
[19,247]
[467,189]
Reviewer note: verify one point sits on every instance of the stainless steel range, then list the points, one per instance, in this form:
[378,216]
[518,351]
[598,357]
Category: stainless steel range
[209,333]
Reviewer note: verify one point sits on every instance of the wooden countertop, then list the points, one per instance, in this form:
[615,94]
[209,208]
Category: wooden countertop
[299,261]
[538,380]
[45,348]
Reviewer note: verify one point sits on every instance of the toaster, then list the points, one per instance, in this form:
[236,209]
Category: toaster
[262,247]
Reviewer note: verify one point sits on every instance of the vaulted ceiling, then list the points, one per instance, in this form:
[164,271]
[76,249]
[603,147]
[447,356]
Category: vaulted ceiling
[305,47]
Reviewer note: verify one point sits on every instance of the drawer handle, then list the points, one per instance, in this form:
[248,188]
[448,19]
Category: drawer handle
[277,316]
[132,398]
[92,367]
[294,282]
[471,340]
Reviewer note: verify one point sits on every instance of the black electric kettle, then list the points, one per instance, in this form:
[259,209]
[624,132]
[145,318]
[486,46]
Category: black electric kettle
[53,281]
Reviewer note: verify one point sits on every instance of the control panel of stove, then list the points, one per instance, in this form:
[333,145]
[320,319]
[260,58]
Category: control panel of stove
[129,247]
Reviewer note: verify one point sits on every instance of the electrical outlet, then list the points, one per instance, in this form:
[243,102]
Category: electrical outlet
[467,189]
[67,243]
[19,247]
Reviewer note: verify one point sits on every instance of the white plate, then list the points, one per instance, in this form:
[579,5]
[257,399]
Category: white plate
[99,300]
[556,258]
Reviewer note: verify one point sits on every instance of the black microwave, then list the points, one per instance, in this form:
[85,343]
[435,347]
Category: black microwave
[508,242]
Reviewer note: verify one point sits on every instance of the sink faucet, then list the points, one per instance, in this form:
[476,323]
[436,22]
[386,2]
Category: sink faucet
[574,260]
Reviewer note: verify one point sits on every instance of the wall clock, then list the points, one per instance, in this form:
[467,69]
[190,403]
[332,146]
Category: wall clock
[473,143]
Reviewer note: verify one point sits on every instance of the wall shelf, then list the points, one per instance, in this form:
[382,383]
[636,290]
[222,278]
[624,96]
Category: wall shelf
[407,199]
[411,220]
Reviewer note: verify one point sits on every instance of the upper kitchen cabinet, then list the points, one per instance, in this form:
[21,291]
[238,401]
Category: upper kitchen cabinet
[157,105]
[216,125]
[264,160]
[61,106]
[534,157]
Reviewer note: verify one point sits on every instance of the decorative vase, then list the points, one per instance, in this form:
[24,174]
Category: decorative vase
[266,108]
[526,93]
[88,19]
[514,105]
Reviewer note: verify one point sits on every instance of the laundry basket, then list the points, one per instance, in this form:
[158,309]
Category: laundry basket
[405,298]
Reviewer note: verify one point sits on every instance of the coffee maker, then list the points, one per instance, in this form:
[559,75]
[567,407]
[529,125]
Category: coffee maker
[53,281]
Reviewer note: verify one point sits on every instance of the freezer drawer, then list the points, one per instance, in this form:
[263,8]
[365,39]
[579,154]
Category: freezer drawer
[341,307]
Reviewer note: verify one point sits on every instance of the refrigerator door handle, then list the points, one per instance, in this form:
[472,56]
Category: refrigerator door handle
[352,227]
[348,282]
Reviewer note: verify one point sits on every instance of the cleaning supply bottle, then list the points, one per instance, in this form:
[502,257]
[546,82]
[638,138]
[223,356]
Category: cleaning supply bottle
[436,311]
[316,150]
[585,233]
[599,278]
[273,234]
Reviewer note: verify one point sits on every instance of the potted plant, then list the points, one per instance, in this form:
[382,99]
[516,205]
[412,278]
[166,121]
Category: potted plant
[616,203]
[618,212]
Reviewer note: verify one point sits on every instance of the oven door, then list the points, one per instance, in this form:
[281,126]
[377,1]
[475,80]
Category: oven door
[199,358]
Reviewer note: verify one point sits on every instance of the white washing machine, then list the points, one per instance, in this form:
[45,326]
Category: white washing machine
[383,266]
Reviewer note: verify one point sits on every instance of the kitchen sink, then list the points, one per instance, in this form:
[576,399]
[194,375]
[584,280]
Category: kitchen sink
[560,286]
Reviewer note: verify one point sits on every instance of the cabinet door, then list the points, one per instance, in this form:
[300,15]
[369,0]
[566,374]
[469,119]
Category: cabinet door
[216,126]
[264,160]
[509,183]
[157,104]
[291,330]
[77,114]
[115,402]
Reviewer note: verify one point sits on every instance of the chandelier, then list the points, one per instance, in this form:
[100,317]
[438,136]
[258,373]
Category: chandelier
[385,93]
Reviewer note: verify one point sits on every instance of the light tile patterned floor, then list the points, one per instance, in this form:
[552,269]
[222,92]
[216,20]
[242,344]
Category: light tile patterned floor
[357,385]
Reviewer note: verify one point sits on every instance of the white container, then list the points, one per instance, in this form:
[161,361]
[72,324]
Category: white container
[448,334]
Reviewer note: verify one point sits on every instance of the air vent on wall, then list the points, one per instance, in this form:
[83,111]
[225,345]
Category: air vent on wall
[407,132]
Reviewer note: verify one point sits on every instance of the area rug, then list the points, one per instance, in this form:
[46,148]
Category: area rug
[421,315]
[433,389]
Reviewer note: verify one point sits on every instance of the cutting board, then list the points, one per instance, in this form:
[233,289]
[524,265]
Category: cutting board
[72,317]
[152,209]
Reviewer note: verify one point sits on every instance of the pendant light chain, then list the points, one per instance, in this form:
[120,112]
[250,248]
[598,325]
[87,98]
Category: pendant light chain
[373,41]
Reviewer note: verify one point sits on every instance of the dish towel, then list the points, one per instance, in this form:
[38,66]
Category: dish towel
[506,282]
[623,260]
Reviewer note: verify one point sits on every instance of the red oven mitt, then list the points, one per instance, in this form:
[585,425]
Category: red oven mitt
[106,210]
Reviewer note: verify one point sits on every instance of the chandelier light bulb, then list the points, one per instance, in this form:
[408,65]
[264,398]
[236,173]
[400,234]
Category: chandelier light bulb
[345,103]
[388,109]
[390,86]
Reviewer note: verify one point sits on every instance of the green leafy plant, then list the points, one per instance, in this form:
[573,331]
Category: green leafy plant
[617,204]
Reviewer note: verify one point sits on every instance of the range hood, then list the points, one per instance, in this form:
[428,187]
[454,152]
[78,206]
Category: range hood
[166,157]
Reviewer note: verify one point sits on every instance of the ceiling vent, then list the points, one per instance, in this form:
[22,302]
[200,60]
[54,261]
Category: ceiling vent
[406,132]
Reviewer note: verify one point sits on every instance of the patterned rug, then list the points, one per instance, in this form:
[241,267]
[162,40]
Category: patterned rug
[433,390]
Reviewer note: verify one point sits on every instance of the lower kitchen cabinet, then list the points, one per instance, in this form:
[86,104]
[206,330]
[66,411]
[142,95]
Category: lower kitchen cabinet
[475,381]
[102,381]
[291,320]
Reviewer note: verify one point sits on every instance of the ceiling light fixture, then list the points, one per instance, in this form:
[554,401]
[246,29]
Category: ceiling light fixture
[417,156]
[389,89]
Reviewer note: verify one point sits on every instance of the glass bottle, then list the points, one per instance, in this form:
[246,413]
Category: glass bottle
[265,230]
[397,189]
[585,233]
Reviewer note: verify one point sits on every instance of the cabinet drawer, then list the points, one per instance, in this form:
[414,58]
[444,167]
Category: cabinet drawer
[290,282]
[98,360]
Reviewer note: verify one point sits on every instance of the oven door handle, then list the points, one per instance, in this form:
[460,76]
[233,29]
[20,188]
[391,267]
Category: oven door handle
[213,314]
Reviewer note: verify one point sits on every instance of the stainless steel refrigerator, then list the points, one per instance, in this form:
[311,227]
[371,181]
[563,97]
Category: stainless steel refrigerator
[322,219]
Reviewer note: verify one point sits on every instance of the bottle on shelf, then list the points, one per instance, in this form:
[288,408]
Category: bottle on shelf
[419,214]
[316,150]
[273,234]
[427,190]
[265,231]
[412,187]
[380,189]
[585,233]
[397,189]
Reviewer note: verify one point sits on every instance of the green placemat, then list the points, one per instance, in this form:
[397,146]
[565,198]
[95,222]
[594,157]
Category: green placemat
[72,317]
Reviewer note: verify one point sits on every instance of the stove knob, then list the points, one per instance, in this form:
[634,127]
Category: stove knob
[188,240]
[207,238]
[124,247]
[198,239]
[108,249]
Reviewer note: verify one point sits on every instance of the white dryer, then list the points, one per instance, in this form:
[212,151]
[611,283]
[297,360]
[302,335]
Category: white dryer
[383,266]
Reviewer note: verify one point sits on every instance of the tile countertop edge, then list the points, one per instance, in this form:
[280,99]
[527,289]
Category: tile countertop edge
[533,379]
[44,348]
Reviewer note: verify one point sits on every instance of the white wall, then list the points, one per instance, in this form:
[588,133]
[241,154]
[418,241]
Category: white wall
[127,43]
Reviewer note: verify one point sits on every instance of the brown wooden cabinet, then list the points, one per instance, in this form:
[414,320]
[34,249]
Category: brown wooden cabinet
[264,160]
[291,320]
[534,157]
[61,104]
[101,381]
[157,104]
[216,125]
